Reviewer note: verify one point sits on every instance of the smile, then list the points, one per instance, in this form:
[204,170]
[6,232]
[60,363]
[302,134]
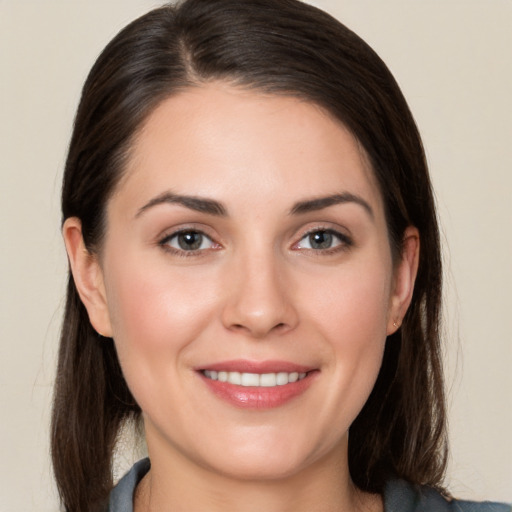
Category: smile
[255,379]
[258,385]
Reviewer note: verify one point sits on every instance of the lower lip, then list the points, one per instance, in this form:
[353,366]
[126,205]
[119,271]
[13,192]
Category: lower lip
[248,397]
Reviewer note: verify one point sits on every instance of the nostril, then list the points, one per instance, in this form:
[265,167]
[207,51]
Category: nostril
[258,330]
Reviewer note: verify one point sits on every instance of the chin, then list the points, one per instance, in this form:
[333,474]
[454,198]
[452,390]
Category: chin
[259,468]
[267,460]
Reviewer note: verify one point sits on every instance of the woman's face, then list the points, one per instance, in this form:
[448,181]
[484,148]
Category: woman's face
[248,281]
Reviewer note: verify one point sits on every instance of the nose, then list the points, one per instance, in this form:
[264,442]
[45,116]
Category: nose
[258,298]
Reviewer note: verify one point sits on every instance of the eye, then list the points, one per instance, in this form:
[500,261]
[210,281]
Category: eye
[188,241]
[322,240]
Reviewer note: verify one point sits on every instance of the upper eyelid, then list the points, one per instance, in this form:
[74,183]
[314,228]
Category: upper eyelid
[344,233]
[319,229]
[169,233]
[174,234]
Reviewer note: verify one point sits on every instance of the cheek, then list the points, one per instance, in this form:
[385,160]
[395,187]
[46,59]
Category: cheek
[363,324]
[156,312]
[353,303]
[351,315]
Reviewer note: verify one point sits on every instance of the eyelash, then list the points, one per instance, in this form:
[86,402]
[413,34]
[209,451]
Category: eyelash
[164,243]
[344,242]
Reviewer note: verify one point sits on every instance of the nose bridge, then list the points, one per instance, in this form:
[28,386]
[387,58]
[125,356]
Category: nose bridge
[258,300]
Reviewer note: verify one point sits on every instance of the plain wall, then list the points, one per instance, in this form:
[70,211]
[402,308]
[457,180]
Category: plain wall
[453,61]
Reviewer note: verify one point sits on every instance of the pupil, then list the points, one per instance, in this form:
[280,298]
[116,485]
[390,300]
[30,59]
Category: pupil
[320,240]
[190,241]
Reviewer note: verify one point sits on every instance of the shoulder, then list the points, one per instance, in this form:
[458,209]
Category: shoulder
[401,496]
[121,497]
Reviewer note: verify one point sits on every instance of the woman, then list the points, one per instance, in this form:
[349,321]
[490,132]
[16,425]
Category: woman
[255,272]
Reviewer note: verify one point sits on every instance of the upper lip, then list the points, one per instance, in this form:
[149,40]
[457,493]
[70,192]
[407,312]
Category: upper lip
[245,366]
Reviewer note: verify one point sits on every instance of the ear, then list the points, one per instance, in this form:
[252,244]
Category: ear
[88,276]
[404,279]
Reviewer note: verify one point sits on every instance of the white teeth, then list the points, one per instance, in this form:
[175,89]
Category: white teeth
[249,379]
[235,378]
[268,380]
[281,378]
[255,379]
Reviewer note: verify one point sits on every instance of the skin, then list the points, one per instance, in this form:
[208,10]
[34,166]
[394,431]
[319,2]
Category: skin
[256,290]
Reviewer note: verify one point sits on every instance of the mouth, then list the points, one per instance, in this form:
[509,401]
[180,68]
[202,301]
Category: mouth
[263,385]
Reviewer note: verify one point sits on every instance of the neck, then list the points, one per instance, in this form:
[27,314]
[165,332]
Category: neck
[178,484]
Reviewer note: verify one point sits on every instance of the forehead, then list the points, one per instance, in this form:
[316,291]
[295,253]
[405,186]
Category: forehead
[222,141]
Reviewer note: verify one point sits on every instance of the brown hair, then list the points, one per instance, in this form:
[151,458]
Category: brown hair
[279,47]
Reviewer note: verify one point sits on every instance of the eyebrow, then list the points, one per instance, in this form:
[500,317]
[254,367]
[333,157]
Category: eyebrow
[198,204]
[212,207]
[320,203]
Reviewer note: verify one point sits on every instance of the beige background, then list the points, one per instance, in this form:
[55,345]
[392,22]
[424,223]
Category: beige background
[453,59]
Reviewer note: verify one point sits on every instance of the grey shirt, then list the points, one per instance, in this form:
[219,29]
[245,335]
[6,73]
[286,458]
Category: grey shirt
[399,496]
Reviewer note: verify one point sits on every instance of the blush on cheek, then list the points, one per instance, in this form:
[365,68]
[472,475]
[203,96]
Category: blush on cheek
[156,308]
[359,304]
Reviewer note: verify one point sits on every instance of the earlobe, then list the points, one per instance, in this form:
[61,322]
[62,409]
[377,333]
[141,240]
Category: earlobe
[88,276]
[405,277]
